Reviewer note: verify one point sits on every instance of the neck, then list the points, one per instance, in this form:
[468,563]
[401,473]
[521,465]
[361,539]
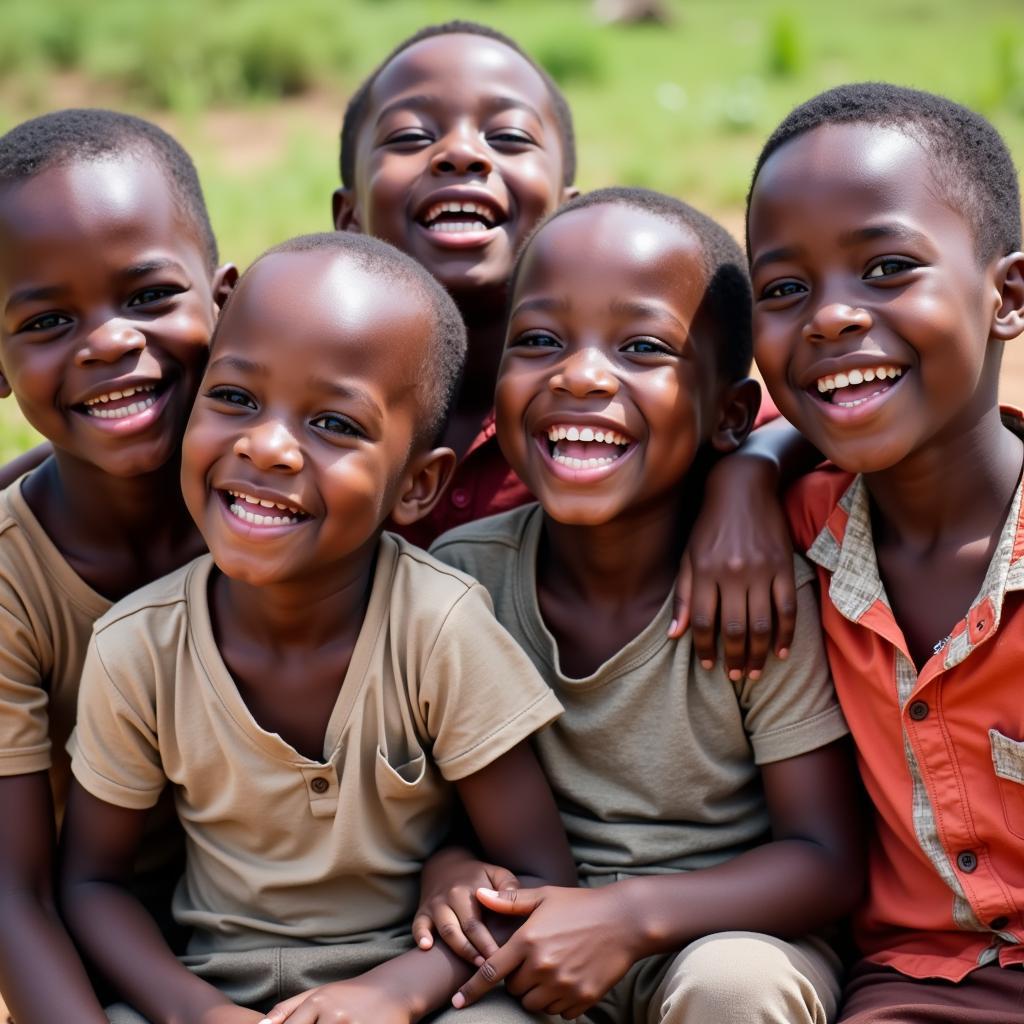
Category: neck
[308,613]
[634,557]
[485,327]
[954,491]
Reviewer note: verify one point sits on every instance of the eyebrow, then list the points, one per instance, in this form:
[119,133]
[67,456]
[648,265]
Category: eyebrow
[39,294]
[424,101]
[543,304]
[151,266]
[637,307]
[348,391]
[240,364]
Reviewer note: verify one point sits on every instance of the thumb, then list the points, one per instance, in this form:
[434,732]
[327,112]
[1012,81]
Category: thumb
[518,902]
[681,599]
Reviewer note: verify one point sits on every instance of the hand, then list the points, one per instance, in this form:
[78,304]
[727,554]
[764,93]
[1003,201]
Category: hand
[357,1001]
[737,569]
[448,903]
[575,946]
[231,1014]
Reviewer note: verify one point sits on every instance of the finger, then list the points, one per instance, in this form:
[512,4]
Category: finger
[423,930]
[703,613]
[482,940]
[284,1009]
[784,596]
[501,878]
[759,629]
[518,902]
[491,972]
[681,600]
[734,629]
[449,927]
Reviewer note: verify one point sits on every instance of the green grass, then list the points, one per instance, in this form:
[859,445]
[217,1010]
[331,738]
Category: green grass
[255,89]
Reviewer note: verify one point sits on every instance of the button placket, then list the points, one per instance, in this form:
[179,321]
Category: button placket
[321,784]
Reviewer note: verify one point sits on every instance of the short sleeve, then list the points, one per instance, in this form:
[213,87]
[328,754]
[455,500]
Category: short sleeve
[114,749]
[24,726]
[479,694]
[792,709]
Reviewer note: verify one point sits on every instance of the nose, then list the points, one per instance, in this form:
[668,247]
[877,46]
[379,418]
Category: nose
[585,373]
[461,151]
[836,320]
[110,341]
[270,445]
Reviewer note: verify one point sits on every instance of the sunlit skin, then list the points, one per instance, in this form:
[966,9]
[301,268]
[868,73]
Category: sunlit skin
[859,260]
[616,343]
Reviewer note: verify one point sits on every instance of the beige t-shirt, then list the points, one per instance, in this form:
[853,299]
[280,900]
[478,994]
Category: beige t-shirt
[46,617]
[654,763]
[283,849]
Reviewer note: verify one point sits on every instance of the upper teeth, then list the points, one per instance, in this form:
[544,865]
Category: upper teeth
[252,500]
[94,405]
[113,396]
[480,211]
[833,382]
[586,434]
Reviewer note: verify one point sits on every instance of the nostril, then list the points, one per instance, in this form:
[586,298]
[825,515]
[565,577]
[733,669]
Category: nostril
[850,329]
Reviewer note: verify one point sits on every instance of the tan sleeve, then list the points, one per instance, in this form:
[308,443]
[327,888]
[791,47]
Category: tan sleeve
[114,750]
[792,709]
[479,694]
[24,726]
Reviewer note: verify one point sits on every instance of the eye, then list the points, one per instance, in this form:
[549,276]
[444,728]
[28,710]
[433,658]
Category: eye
[646,347]
[335,424]
[782,290]
[888,266]
[407,136]
[535,339]
[513,136]
[157,293]
[232,396]
[45,322]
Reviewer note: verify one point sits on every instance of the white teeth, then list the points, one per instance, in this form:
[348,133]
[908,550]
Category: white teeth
[843,380]
[258,520]
[586,434]
[568,460]
[120,414]
[263,503]
[477,209]
[572,434]
[113,396]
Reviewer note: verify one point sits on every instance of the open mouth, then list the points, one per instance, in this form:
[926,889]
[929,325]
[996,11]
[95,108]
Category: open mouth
[117,405]
[855,387]
[453,217]
[260,511]
[579,447]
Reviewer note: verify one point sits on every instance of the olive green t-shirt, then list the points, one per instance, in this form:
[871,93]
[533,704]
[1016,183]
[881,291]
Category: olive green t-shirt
[655,761]
[284,849]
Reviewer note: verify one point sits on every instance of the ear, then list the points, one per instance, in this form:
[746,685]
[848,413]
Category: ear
[1008,321]
[569,192]
[5,387]
[737,410]
[426,477]
[343,207]
[224,280]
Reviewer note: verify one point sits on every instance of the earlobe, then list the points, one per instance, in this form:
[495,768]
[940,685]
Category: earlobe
[1008,321]
[569,192]
[343,207]
[737,412]
[425,480]
[5,388]
[224,280]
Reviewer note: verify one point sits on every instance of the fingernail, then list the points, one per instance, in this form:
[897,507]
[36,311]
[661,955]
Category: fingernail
[458,1001]
[707,663]
[489,892]
[478,961]
[673,626]
[754,674]
[735,675]
[266,1020]
[424,943]
[783,653]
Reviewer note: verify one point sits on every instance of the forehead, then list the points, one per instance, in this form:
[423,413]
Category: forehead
[848,175]
[630,252]
[109,208]
[297,311]
[460,71]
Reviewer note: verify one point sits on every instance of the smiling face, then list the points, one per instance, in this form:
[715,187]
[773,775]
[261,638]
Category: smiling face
[458,158]
[300,441]
[608,383]
[107,308]
[872,313]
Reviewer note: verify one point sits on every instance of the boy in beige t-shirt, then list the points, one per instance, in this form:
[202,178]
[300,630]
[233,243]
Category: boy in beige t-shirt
[314,689]
[711,820]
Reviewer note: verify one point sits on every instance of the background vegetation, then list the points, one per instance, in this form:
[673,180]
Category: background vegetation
[255,89]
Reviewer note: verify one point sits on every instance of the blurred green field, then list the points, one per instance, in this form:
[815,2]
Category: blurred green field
[255,89]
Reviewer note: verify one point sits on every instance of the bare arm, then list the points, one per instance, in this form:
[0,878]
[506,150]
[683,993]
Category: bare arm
[578,943]
[99,845]
[41,975]
[21,464]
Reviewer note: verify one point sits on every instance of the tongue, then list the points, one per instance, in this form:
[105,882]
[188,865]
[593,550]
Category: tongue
[587,449]
[856,392]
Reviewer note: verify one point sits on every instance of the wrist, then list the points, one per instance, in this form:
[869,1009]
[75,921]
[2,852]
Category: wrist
[402,990]
[756,467]
[648,929]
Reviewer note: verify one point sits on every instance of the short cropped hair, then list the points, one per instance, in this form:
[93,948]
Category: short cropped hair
[66,136]
[355,112]
[446,351]
[970,162]
[728,297]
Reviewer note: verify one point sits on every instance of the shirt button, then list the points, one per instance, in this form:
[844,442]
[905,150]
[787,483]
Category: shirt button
[919,711]
[460,497]
[967,861]
[319,785]
[997,924]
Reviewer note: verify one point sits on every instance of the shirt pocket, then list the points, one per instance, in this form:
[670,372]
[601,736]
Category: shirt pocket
[414,802]
[1008,761]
